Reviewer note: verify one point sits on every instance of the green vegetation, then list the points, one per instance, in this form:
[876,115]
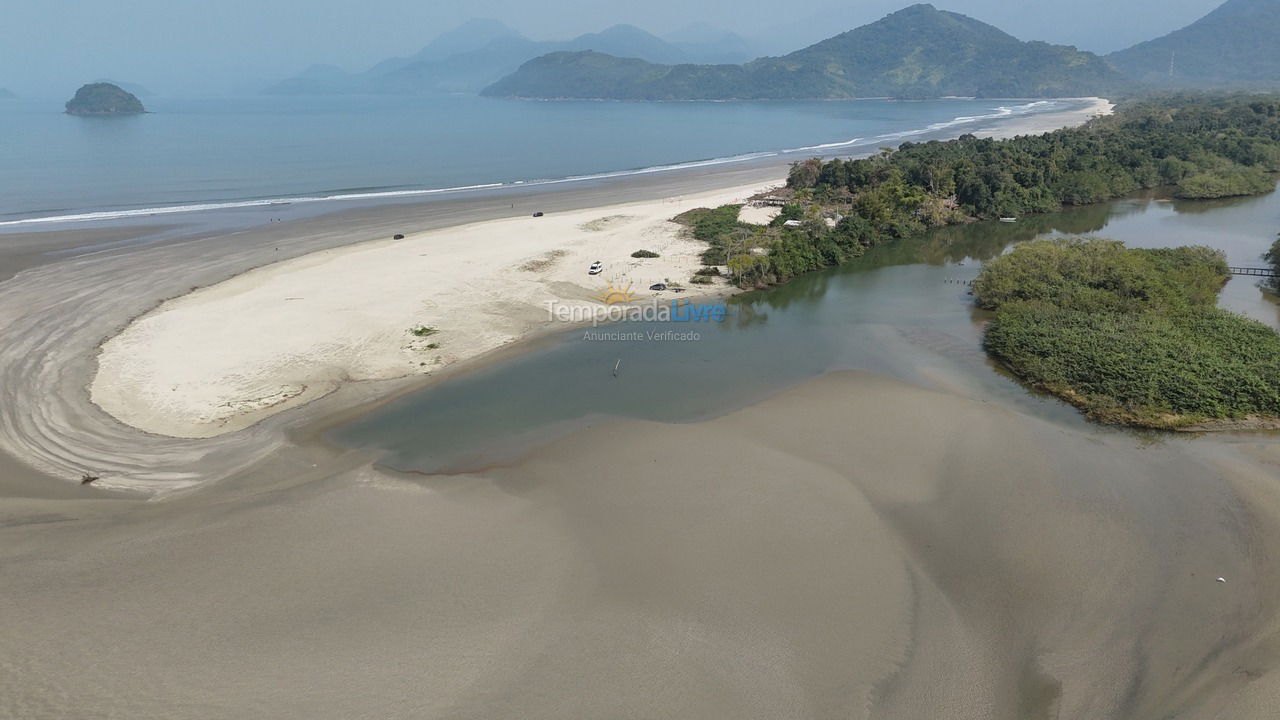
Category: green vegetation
[103,99]
[644,254]
[1129,336]
[1273,257]
[1205,147]
[1233,46]
[916,52]
[1225,182]
[422,331]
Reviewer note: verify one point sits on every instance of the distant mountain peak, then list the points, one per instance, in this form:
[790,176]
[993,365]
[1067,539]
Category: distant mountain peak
[1233,45]
[470,36]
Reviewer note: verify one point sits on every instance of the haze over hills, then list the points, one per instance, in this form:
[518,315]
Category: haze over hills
[919,51]
[1235,45]
[712,44]
[5,94]
[480,52]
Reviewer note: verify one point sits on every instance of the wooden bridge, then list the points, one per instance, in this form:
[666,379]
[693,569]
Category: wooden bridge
[1255,271]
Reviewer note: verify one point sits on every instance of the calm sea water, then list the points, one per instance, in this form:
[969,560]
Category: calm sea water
[902,310]
[195,153]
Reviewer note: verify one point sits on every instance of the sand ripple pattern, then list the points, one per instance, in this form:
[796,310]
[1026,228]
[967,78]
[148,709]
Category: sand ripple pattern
[55,317]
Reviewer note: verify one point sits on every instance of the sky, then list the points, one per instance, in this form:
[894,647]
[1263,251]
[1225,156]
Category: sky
[48,48]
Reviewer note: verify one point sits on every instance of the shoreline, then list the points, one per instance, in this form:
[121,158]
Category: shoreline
[373,197]
[74,434]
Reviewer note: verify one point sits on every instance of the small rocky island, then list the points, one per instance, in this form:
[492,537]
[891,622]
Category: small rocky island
[104,99]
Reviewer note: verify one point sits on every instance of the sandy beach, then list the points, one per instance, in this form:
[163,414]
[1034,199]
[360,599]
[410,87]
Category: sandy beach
[304,326]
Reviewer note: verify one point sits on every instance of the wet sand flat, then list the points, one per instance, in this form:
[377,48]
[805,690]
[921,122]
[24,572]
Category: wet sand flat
[853,547]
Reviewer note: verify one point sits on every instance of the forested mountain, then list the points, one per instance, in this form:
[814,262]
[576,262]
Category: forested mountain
[919,51]
[1235,45]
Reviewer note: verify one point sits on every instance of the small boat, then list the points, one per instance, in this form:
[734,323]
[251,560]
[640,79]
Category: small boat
[596,268]
[398,236]
[1008,219]
[538,214]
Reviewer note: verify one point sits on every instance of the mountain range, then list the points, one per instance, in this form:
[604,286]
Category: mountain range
[1233,46]
[918,51]
[480,52]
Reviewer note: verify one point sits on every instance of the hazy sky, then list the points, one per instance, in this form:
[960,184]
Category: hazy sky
[50,47]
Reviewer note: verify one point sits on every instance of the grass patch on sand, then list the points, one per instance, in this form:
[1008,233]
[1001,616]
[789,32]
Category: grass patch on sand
[603,223]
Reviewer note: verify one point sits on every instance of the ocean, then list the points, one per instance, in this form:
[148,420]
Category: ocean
[200,154]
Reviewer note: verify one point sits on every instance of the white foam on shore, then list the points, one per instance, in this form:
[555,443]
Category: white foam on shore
[107,215]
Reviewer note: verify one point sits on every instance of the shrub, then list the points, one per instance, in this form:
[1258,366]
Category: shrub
[1273,257]
[1129,336]
[423,331]
[1227,182]
[644,254]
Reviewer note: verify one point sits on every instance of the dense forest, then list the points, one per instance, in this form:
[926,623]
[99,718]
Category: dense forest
[1130,336]
[1202,147]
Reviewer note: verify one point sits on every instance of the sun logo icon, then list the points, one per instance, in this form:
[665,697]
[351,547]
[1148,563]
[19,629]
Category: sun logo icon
[613,295]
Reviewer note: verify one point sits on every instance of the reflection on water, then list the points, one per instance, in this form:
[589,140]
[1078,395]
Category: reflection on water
[901,310]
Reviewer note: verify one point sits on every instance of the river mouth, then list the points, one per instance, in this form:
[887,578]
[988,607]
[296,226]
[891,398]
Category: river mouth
[902,310]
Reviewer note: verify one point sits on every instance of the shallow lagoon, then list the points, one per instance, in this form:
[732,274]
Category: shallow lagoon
[901,310]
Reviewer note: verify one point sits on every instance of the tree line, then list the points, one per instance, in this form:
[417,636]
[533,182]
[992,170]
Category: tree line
[1202,147]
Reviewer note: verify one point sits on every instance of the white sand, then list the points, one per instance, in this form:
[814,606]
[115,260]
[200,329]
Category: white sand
[221,358]
[758,215]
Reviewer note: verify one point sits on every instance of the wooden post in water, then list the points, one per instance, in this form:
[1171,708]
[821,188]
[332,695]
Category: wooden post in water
[615,367]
